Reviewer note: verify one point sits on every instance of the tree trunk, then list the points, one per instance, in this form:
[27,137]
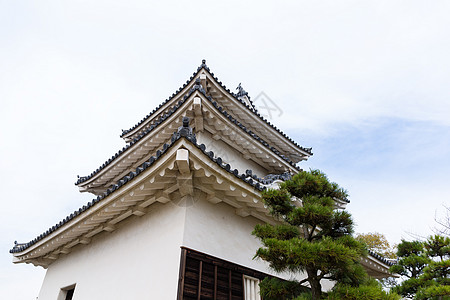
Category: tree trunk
[314,282]
[316,289]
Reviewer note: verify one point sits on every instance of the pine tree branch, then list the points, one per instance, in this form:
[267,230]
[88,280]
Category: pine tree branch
[306,232]
[312,230]
[322,276]
[303,281]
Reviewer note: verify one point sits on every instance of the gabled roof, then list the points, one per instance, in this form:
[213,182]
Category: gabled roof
[244,107]
[196,89]
[179,140]
[377,266]
[381,258]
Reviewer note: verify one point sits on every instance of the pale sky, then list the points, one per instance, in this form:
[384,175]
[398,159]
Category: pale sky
[364,83]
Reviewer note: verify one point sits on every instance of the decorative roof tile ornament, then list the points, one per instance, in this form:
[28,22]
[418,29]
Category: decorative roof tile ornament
[243,96]
[205,67]
[185,131]
[159,121]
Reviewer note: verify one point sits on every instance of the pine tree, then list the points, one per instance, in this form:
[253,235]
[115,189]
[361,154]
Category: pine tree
[315,237]
[411,262]
[435,280]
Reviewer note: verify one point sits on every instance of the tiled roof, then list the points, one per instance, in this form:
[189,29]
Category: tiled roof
[254,111]
[270,178]
[196,87]
[381,258]
[124,180]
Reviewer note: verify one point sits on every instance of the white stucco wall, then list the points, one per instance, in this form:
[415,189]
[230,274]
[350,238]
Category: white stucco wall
[230,155]
[215,229]
[139,260]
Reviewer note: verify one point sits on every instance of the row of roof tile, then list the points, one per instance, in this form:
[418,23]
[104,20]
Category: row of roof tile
[196,87]
[254,111]
[251,181]
[381,258]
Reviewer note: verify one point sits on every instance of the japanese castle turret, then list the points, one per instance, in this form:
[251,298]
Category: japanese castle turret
[174,209]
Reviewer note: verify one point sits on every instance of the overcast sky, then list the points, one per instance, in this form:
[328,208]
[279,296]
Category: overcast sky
[364,83]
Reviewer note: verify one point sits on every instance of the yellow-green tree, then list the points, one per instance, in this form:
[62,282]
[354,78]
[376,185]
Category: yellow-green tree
[378,243]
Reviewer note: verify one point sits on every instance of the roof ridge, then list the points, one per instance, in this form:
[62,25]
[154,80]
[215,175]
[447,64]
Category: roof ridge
[173,109]
[140,136]
[255,112]
[179,90]
[380,258]
[235,96]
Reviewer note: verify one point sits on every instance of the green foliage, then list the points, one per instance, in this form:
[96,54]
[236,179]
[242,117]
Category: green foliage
[276,289]
[408,288]
[352,274]
[314,183]
[438,246]
[304,296]
[435,278]
[435,292]
[371,289]
[427,266]
[412,259]
[315,237]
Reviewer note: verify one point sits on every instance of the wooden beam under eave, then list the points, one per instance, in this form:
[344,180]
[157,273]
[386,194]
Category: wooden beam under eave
[65,250]
[243,212]
[148,202]
[121,217]
[109,227]
[182,160]
[198,119]
[94,232]
[139,211]
[185,184]
[162,197]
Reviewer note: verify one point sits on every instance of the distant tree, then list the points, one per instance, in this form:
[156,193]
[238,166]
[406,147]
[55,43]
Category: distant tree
[443,223]
[411,262]
[435,280]
[315,237]
[378,243]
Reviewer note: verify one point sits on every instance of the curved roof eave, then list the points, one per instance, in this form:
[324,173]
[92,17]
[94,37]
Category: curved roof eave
[134,129]
[252,181]
[160,120]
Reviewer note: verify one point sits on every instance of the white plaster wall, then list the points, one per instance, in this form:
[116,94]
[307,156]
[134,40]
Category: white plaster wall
[139,260]
[215,229]
[230,155]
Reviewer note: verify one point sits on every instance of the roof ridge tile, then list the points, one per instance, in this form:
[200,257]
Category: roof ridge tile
[235,96]
[196,87]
